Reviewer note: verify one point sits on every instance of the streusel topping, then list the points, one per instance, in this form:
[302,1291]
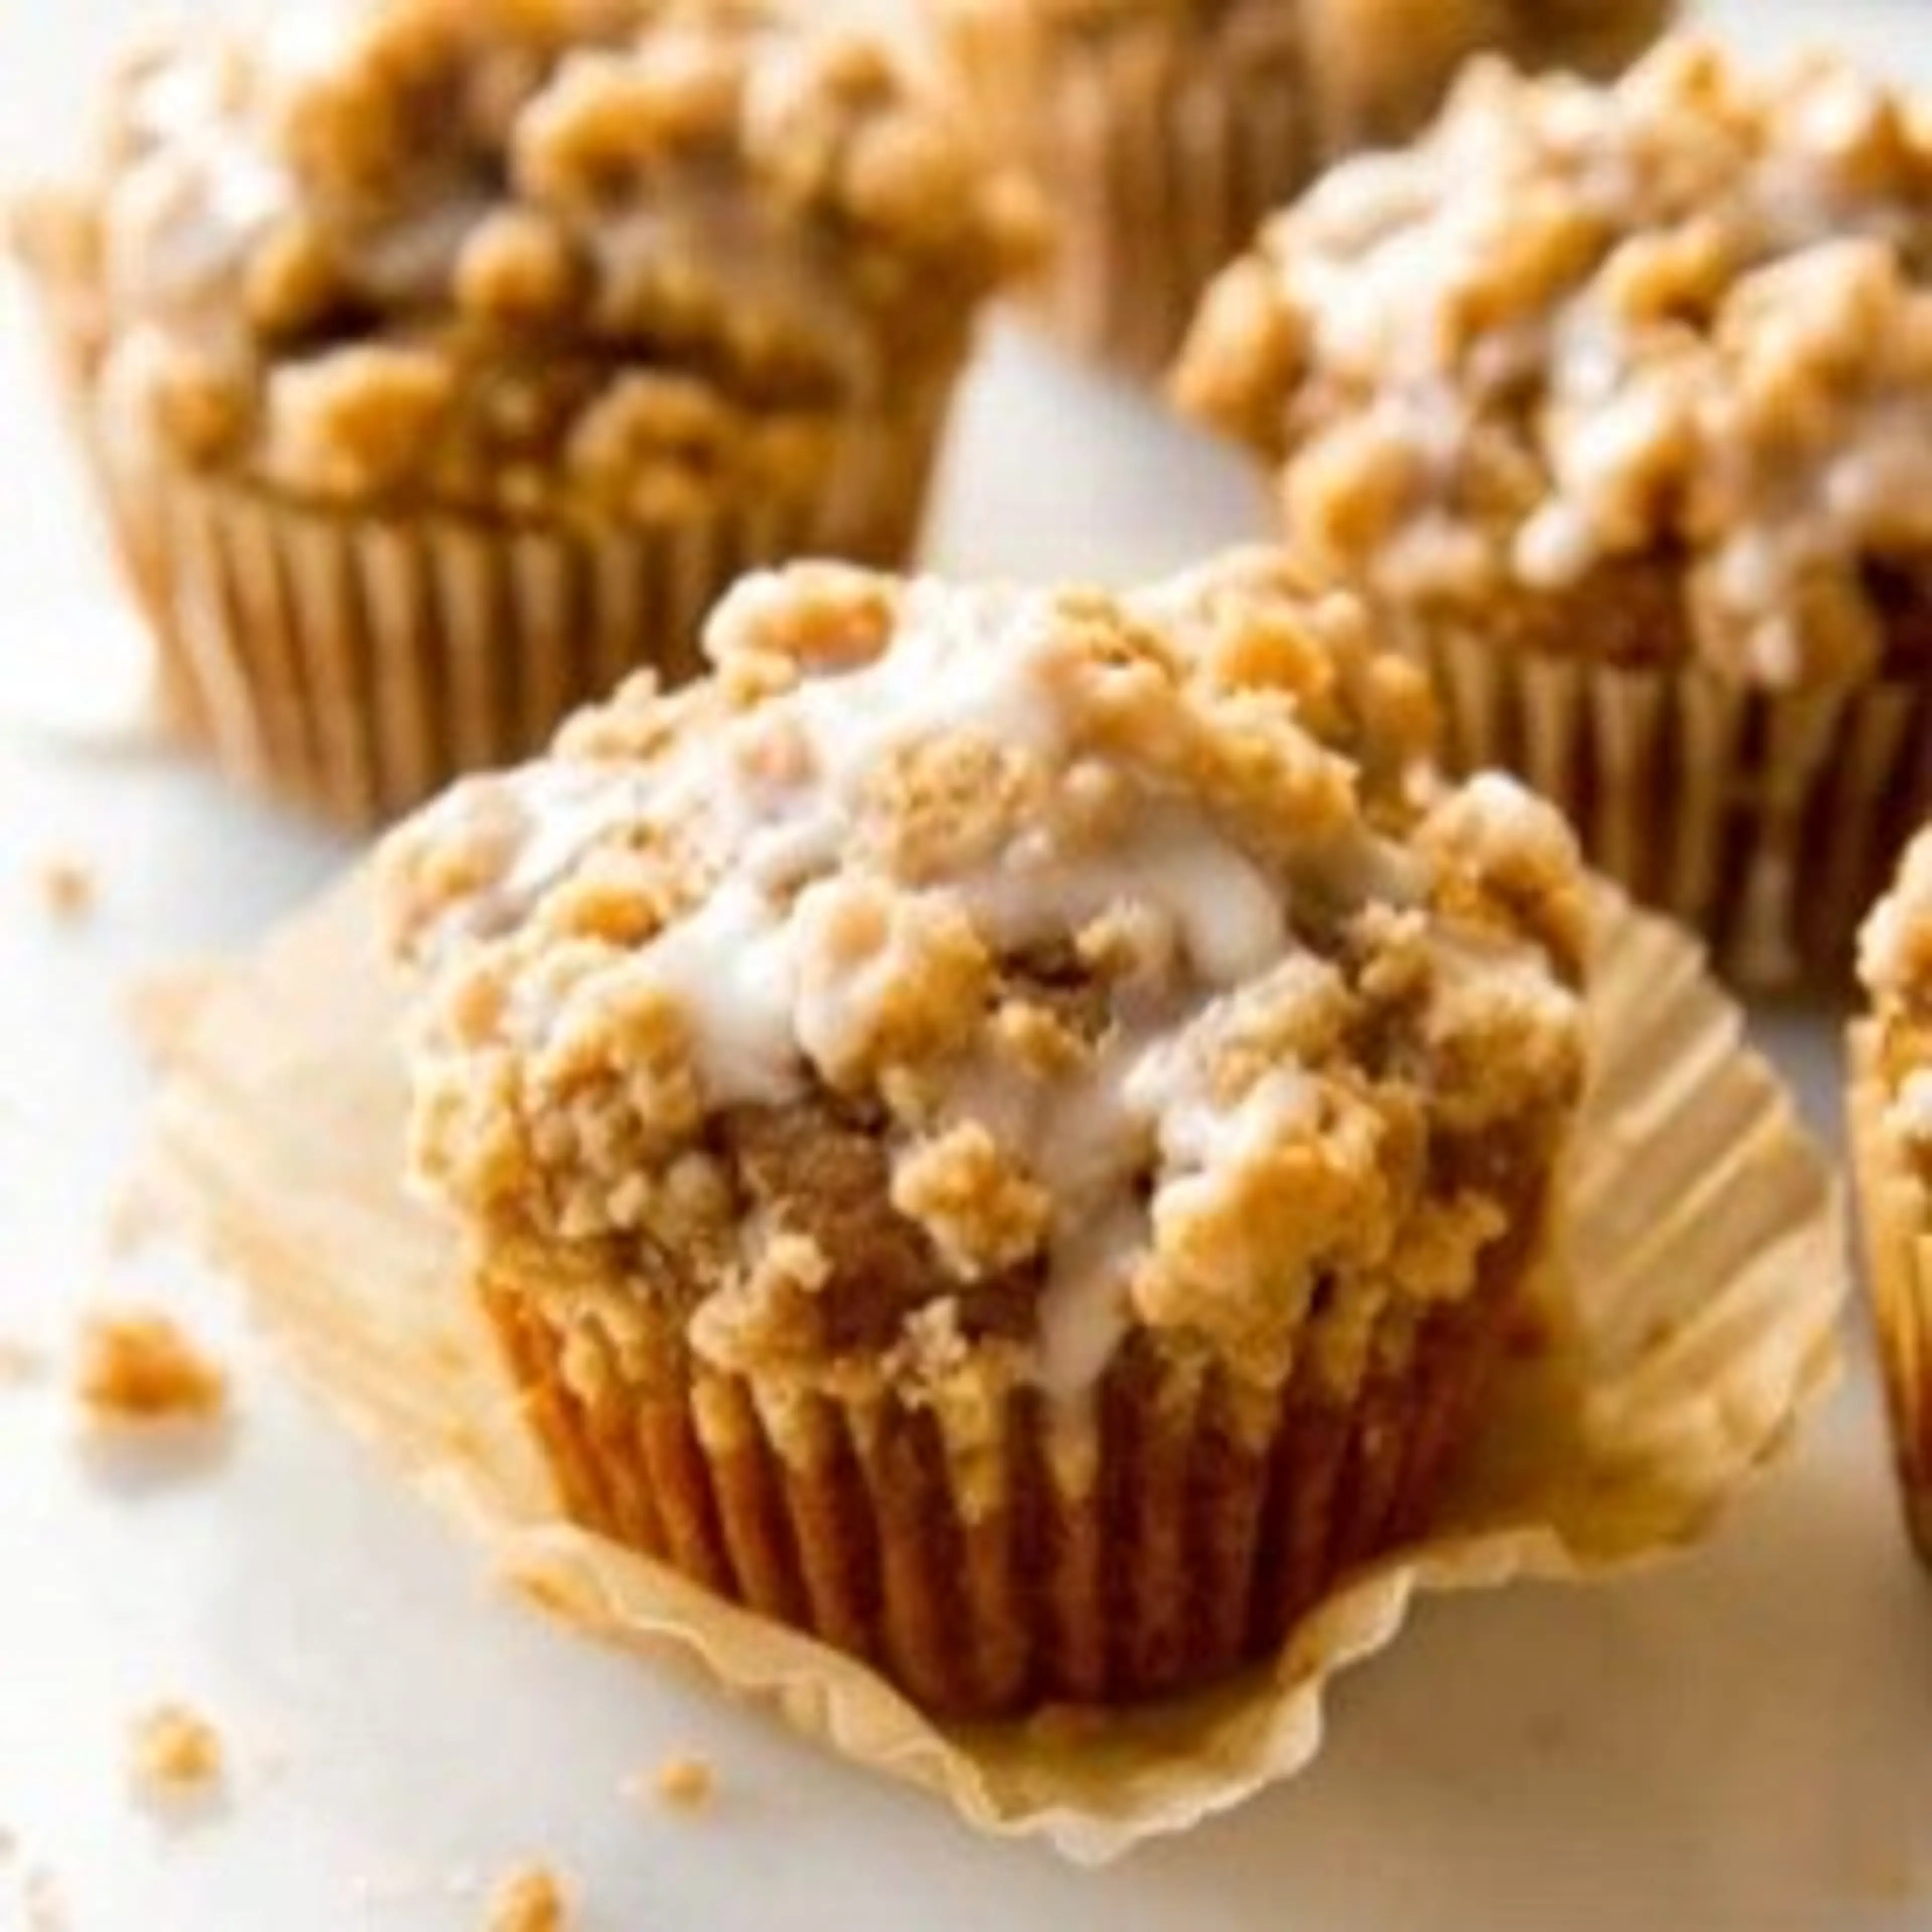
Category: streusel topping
[960,966]
[1684,321]
[498,252]
[1895,964]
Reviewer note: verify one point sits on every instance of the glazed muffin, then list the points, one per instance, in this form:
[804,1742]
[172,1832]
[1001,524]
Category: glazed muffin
[1162,131]
[1004,1130]
[441,360]
[1892,1143]
[1617,403]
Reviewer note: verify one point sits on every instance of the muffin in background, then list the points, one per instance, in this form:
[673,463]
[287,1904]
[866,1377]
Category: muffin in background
[1005,1130]
[1891,1147]
[441,360]
[1162,131]
[1617,404]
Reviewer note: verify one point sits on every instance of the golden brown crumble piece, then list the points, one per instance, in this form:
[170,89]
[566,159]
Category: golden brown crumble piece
[176,1753]
[685,1784]
[137,1366]
[67,889]
[530,1899]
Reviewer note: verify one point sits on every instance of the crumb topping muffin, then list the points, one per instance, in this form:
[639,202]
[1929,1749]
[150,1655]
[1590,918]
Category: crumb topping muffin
[521,258]
[1642,371]
[959,982]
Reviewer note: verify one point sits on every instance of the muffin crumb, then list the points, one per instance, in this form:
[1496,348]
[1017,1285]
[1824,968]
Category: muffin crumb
[67,888]
[684,1783]
[529,1899]
[137,1367]
[177,1753]
[19,1361]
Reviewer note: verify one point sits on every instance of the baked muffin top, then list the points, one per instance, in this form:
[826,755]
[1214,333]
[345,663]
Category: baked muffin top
[517,256]
[1663,347]
[961,977]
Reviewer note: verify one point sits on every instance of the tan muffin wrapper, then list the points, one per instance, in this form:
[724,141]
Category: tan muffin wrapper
[1691,1318]
[1159,150]
[1154,1539]
[1769,821]
[1895,1217]
[354,662]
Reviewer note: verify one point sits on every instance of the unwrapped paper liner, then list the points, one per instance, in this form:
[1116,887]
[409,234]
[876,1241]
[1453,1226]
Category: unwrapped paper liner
[1689,1321]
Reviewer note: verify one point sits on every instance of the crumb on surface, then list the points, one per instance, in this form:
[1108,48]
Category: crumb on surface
[66,888]
[137,1366]
[176,1753]
[529,1899]
[685,1784]
[20,1361]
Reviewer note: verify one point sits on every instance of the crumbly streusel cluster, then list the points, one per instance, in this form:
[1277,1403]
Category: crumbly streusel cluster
[957,970]
[499,253]
[1895,965]
[1680,325]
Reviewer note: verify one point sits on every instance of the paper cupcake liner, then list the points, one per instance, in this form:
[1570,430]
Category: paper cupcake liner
[1768,821]
[1144,1543]
[354,664]
[1896,1217]
[1159,150]
[1689,1323]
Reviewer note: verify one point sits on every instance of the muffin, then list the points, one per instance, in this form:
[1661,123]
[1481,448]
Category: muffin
[1892,1145]
[1004,1129]
[1617,404]
[441,360]
[1163,130]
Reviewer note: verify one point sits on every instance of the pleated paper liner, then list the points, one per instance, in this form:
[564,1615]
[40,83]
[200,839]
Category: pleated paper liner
[1690,1324]
[1895,1215]
[1769,821]
[990,1558]
[1159,148]
[351,665]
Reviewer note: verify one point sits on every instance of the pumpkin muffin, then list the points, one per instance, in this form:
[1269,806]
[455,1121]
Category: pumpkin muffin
[1617,403]
[441,360]
[1162,131]
[1003,1128]
[1892,1139]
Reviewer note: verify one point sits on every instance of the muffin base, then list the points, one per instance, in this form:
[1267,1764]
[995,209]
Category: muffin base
[1768,821]
[1895,1216]
[1142,1543]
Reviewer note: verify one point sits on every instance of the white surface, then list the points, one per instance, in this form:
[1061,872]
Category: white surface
[1742,1741]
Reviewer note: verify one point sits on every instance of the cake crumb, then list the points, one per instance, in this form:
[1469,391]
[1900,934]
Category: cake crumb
[19,1361]
[177,1753]
[137,1367]
[685,1784]
[529,1899]
[67,889]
